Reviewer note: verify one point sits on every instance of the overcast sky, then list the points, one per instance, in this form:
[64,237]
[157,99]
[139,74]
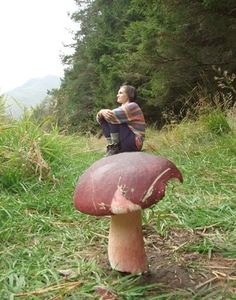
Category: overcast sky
[32,34]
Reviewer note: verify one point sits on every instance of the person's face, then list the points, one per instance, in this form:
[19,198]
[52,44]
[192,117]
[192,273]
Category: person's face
[122,97]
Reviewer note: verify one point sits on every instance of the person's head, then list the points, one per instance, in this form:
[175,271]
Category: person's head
[126,93]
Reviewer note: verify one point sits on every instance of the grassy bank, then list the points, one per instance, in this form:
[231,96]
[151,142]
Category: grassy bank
[50,251]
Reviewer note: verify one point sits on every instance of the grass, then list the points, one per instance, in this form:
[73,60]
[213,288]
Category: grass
[50,251]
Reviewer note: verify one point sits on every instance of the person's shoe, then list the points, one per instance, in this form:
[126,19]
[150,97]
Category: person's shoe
[113,149]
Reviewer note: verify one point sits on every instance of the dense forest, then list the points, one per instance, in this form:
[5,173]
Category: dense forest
[169,50]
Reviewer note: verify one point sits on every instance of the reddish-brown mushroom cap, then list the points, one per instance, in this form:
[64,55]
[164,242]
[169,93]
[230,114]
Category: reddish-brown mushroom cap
[123,183]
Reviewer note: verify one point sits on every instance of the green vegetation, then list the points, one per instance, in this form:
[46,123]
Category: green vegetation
[50,251]
[164,48]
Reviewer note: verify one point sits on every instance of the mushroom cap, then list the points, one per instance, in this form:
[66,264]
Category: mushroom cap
[123,183]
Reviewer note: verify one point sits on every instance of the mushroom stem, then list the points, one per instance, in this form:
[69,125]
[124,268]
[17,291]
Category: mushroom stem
[126,251]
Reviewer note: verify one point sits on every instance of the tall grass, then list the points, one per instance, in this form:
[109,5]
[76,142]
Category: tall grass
[29,154]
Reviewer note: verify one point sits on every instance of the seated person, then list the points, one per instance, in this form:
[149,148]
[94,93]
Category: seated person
[123,127]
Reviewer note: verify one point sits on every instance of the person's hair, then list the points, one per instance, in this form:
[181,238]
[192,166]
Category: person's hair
[131,92]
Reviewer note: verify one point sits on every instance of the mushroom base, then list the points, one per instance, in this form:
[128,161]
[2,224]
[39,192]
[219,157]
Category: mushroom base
[126,251]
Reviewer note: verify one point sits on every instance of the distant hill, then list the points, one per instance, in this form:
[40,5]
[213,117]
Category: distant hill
[30,94]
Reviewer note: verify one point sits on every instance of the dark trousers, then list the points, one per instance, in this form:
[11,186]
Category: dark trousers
[127,137]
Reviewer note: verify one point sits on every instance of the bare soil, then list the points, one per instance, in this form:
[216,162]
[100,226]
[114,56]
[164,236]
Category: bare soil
[176,269]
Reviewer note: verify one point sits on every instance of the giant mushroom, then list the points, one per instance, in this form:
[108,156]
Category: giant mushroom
[121,186]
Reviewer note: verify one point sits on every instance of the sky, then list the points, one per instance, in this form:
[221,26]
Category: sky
[32,38]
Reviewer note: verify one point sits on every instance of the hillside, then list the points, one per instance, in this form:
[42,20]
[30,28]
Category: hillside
[30,93]
[51,251]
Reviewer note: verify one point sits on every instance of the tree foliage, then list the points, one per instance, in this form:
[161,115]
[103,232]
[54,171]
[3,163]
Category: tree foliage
[163,47]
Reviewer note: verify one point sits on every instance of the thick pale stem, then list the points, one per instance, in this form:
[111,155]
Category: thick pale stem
[126,246]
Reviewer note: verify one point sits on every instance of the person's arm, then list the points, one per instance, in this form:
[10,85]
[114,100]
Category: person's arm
[126,113]
[107,114]
[119,115]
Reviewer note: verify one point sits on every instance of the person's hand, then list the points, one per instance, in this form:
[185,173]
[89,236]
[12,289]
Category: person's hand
[105,113]
[99,114]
